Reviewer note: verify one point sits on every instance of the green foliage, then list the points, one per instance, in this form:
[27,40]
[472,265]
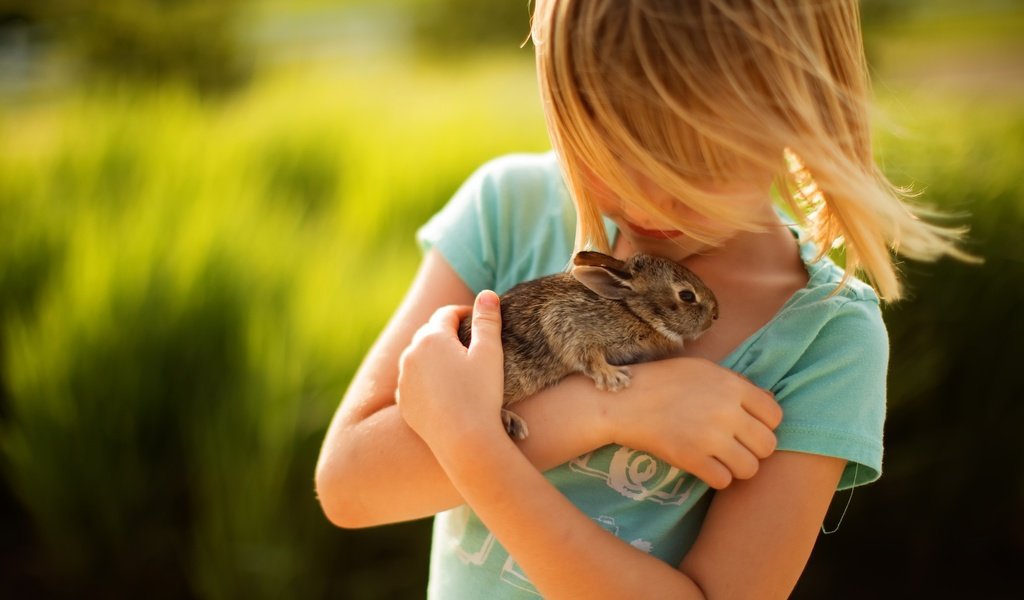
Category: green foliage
[186,289]
[195,42]
[454,26]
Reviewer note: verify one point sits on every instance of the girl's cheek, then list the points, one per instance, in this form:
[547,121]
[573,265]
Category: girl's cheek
[607,204]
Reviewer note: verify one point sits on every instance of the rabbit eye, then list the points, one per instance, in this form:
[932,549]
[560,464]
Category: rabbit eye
[688,297]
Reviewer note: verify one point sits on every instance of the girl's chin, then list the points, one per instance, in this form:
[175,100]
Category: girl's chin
[654,234]
[674,245]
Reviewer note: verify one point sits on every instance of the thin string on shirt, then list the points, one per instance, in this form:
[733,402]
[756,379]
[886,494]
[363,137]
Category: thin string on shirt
[856,466]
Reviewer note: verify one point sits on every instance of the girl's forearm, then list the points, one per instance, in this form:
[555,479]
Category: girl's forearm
[378,471]
[563,551]
[399,479]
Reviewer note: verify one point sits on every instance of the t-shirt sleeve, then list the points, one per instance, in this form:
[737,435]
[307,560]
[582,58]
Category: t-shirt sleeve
[512,220]
[833,398]
[463,231]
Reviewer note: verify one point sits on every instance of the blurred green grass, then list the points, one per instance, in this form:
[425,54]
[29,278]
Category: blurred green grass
[186,288]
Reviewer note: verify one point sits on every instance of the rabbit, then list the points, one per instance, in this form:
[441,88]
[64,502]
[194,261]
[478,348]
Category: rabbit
[603,315]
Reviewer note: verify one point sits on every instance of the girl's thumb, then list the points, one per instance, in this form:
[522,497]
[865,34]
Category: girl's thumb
[486,321]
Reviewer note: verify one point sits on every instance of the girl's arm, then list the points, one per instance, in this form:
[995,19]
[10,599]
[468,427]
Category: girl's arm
[758,533]
[754,543]
[374,469]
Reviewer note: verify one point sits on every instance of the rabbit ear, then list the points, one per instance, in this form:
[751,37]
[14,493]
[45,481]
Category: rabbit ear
[587,258]
[604,275]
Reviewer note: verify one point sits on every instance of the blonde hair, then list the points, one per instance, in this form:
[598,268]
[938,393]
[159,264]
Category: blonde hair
[698,92]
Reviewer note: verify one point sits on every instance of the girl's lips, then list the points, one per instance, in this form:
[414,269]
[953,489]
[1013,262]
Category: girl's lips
[660,234]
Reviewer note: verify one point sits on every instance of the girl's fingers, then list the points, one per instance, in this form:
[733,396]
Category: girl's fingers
[757,438]
[738,459]
[448,317]
[443,323]
[763,406]
[712,472]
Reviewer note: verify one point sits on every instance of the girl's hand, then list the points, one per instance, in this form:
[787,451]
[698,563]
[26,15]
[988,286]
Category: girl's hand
[697,416]
[447,392]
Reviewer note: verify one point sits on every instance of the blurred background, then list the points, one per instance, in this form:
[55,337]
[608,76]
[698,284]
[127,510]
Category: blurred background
[206,216]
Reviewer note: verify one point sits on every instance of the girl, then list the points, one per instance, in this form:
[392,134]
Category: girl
[671,121]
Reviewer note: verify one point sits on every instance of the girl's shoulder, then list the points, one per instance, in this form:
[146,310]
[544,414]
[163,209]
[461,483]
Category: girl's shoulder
[517,191]
[533,179]
[833,317]
[535,165]
[827,282]
[511,220]
[832,299]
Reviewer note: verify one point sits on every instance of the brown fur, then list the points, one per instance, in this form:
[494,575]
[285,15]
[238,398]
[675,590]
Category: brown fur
[603,315]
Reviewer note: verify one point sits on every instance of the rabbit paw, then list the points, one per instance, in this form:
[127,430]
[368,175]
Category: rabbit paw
[514,425]
[611,378]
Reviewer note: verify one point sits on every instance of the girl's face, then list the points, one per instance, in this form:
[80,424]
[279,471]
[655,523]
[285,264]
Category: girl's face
[650,233]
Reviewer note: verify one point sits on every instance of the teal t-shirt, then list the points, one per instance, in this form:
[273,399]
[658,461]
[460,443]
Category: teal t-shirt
[824,355]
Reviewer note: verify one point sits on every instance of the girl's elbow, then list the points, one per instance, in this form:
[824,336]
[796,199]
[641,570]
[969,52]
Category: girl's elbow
[339,502]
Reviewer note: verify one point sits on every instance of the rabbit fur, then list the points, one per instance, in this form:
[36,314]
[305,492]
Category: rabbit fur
[604,314]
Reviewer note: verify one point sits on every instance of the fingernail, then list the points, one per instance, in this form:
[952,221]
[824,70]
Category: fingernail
[488,299]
